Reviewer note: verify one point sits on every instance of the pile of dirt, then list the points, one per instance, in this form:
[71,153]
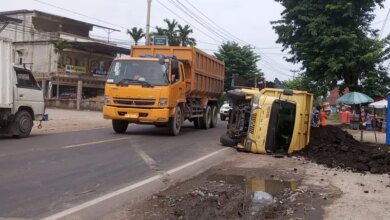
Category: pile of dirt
[335,148]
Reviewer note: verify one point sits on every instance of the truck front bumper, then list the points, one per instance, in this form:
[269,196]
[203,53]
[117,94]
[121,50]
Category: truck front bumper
[137,115]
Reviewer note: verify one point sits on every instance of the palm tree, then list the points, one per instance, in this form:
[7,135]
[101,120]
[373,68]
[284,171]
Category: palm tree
[136,34]
[171,32]
[184,33]
[59,46]
[177,34]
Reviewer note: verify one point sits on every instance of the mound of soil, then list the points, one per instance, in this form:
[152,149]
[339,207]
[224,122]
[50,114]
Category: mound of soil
[335,148]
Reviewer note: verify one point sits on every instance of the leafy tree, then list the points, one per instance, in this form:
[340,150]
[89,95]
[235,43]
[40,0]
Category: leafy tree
[184,32]
[332,39]
[304,83]
[239,60]
[136,33]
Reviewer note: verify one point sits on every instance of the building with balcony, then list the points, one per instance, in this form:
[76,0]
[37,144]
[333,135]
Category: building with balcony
[79,71]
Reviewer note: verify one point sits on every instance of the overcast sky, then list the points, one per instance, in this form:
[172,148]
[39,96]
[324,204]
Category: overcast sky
[246,21]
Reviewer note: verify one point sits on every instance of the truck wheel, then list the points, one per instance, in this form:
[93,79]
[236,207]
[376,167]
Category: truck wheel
[227,141]
[214,116]
[174,124]
[223,117]
[120,126]
[205,121]
[22,125]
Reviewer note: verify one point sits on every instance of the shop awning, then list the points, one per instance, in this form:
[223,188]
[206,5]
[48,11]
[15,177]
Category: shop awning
[97,47]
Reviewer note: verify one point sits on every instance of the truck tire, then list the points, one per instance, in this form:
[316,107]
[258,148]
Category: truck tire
[205,121]
[22,125]
[214,116]
[223,117]
[227,141]
[175,123]
[120,126]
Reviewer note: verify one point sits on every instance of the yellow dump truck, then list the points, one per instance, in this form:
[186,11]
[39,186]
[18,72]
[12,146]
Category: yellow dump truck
[164,85]
[269,121]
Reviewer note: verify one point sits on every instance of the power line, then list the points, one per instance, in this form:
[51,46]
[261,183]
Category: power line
[197,19]
[186,21]
[264,56]
[215,24]
[77,13]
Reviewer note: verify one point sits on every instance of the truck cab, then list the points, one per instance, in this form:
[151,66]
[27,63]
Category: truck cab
[143,91]
[269,121]
[22,102]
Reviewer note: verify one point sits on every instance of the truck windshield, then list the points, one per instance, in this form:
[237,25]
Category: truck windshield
[138,72]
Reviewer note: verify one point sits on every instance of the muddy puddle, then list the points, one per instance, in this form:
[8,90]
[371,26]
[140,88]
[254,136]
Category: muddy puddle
[255,184]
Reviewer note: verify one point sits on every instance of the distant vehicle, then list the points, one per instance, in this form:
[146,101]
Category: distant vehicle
[21,99]
[163,86]
[224,111]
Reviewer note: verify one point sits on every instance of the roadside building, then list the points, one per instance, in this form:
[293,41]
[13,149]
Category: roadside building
[81,69]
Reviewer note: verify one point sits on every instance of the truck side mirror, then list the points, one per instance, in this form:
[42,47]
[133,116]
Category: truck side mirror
[161,61]
[175,67]
[174,70]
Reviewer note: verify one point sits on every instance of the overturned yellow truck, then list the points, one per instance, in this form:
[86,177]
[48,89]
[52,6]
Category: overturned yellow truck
[269,121]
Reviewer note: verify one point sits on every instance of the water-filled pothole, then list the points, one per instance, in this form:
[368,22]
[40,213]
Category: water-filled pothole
[255,184]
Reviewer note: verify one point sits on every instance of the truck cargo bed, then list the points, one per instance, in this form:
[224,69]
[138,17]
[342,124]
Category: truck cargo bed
[6,74]
[204,73]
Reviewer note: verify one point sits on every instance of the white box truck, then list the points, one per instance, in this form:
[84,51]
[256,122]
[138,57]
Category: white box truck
[21,98]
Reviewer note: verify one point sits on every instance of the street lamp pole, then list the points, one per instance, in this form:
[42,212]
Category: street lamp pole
[147,35]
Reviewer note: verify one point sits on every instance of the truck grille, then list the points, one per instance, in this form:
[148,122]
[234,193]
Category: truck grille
[252,123]
[134,102]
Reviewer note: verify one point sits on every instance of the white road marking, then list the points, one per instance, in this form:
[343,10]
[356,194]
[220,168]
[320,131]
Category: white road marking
[95,142]
[148,160]
[127,188]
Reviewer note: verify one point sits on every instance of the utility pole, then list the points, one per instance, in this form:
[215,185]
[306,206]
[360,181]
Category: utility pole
[147,35]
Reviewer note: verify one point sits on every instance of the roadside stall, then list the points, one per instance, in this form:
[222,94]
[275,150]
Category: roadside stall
[356,99]
[380,109]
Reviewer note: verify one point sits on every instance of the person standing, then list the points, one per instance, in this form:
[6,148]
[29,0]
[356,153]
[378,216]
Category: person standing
[345,116]
[323,117]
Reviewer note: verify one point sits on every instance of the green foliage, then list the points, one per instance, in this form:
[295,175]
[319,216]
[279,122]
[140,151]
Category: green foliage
[59,46]
[136,33]
[184,32]
[222,99]
[176,33]
[304,83]
[333,40]
[375,83]
[239,60]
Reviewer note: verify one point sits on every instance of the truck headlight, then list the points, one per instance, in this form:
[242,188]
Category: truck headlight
[162,102]
[106,100]
[255,101]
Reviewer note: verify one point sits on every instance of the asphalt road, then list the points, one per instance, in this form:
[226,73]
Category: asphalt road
[47,173]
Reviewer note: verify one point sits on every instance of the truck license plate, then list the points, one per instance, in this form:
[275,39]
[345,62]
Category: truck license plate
[131,115]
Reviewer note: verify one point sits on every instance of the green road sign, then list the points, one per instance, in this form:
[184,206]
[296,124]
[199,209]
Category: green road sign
[160,40]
